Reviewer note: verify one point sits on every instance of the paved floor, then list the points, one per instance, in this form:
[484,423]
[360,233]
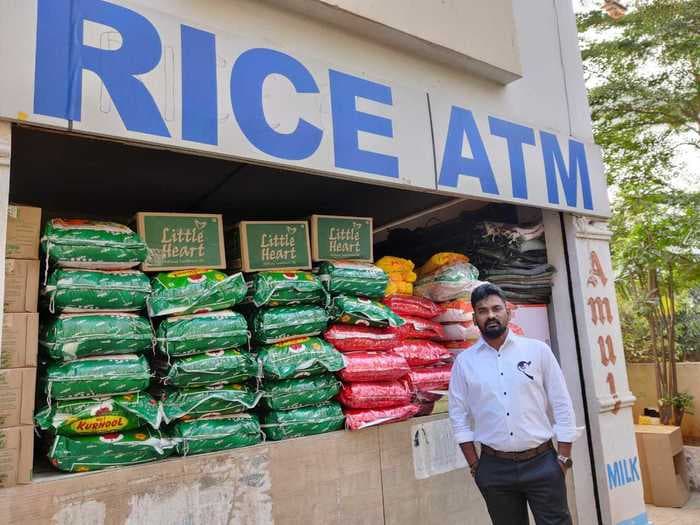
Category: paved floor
[688,515]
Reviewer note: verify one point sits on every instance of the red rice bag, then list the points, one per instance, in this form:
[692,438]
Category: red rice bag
[363,418]
[459,310]
[412,305]
[417,328]
[457,347]
[456,311]
[430,378]
[377,394]
[463,331]
[373,366]
[419,352]
[349,338]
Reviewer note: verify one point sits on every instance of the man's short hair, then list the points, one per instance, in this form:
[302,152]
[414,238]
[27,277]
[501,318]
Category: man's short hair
[485,290]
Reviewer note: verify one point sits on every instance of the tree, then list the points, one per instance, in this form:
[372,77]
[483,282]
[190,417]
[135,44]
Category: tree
[643,73]
[656,253]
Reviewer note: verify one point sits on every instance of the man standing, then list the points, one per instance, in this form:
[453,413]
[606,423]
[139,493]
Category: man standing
[500,392]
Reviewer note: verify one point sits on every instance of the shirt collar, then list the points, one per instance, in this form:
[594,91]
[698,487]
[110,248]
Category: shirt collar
[481,344]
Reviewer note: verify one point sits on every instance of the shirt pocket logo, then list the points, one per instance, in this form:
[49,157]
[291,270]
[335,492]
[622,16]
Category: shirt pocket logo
[524,367]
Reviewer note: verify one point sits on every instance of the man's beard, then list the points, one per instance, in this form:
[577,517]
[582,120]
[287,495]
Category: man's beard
[493,329]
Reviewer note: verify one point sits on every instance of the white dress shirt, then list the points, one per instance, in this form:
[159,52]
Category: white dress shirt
[501,398]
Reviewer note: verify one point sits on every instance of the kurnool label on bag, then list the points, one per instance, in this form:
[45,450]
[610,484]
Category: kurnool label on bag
[335,237]
[181,240]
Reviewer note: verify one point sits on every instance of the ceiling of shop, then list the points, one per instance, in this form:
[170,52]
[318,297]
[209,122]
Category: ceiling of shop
[68,174]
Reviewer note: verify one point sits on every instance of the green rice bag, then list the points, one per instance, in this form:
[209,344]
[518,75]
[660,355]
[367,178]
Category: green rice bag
[100,416]
[287,288]
[210,434]
[80,291]
[86,453]
[306,421]
[95,245]
[195,291]
[353,278]
[70,336]
[189,403]
[96,377]
[365,312]
[297,393]
[282,323]
[302,357]
[193,334]
[210,368]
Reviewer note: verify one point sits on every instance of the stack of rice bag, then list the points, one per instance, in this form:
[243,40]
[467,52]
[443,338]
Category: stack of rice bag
[297,365]
[430,362]
[203,364]
[400,273]
[449,279]
[365,330]
[94,373]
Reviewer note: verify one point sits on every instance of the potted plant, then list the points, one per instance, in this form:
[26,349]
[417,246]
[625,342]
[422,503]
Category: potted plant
[682,404]
[665,410]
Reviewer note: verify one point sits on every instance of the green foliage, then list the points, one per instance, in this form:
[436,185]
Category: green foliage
[684,401]
[643,73]
[644,76]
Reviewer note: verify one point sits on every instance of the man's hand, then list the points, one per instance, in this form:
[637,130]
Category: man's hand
[469,451]
[564,451]
[474,467]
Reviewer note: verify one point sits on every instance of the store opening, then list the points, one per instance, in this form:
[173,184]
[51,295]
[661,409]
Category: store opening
[140,363]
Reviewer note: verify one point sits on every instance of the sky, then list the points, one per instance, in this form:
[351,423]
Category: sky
[688,156]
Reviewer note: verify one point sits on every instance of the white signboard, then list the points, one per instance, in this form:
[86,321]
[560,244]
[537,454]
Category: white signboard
[434,449]
[118,69]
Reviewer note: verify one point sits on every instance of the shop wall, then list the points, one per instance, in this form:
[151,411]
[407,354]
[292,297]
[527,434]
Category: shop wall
[428,101]
[538,99]
[642,380]
[476,36]
[362,477]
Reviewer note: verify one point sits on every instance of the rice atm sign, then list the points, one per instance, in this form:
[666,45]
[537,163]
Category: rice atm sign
[118,69]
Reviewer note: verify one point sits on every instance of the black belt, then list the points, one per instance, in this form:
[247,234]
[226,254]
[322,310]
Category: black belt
[523,455]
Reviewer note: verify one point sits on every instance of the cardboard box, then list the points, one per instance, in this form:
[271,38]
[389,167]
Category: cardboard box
[21,285]
[16,455]
[17,387]
[20,340]
[178,241]
[256,246]
[662,465]
[23,232]
[335,237]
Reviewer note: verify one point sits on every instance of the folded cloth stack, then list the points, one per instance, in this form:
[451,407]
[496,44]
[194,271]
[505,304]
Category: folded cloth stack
[514,258]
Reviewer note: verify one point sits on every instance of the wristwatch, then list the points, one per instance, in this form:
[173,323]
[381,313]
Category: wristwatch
[566,461]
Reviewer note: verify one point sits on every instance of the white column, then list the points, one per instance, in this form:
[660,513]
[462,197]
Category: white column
[580,482]
[5,155]
[608,396]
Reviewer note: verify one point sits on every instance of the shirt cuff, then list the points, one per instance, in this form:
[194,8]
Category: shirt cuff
[568,434]
[464,436]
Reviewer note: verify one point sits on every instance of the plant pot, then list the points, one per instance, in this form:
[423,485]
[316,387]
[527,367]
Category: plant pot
[665,414]
[678,414]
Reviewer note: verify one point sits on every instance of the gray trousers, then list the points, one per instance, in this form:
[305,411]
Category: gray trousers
[508,486]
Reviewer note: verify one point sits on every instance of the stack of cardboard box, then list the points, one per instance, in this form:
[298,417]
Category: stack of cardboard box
[19,344]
